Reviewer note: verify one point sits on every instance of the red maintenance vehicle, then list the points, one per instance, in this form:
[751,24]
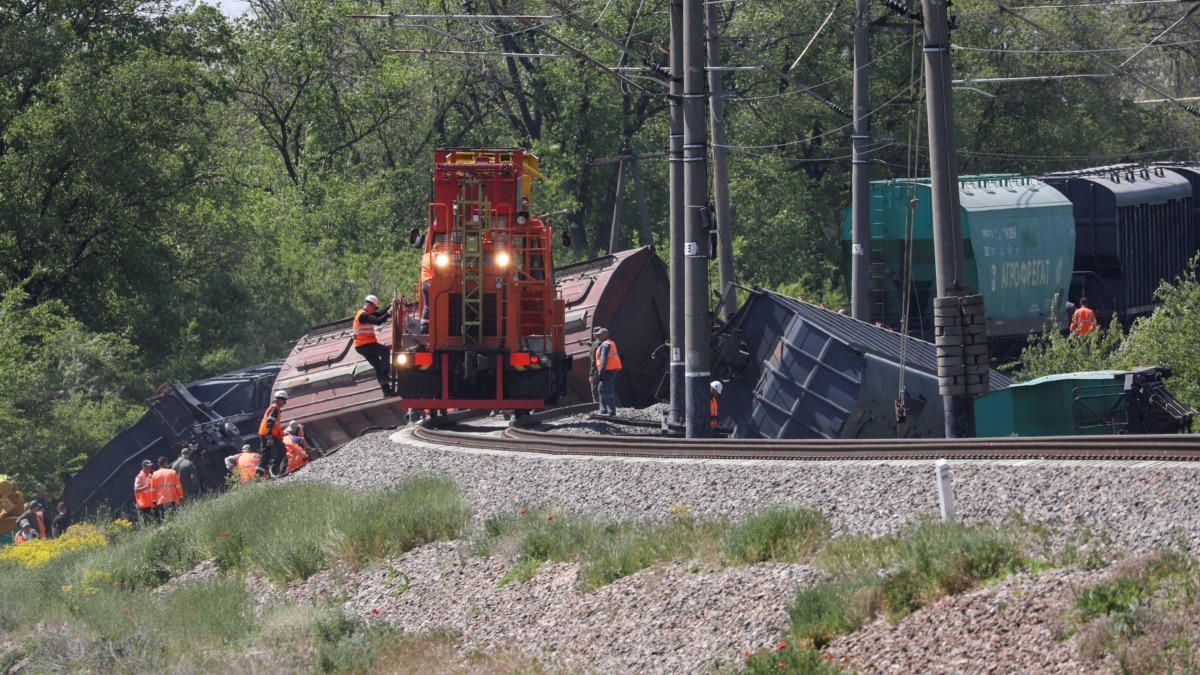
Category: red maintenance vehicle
[485,327]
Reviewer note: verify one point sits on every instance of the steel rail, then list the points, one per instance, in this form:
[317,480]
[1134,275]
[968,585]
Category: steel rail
[517,437]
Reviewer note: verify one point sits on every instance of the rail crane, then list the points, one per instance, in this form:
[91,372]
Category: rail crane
[485,328]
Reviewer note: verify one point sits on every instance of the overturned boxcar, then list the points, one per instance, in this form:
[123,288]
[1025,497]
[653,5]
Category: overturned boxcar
[216,416]
[795,370]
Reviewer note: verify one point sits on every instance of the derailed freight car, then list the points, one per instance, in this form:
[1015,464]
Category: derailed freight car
[629,294]
[216,416]
[795,370]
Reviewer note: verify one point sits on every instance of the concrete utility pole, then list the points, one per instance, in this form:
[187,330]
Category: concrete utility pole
[614,233]
[678,412]
[695,241]
[959,331]
[860,217]
[716,118]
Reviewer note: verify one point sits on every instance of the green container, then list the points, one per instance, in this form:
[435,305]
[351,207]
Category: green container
[1018,245]
[1071,404]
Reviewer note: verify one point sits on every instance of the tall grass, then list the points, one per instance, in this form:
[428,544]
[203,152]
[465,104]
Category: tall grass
[896,575]
[111,613]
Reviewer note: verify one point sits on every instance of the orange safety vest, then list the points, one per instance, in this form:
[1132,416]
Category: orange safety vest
[22,537]
[143,491]
[41,524]
[1083,321]
[426,267]
[277,429]
[167,489]
[296,455]
[364,333]
[712,409]
[247,464]
[614,359]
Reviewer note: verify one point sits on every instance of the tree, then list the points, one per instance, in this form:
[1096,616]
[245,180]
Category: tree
[61,396]
[1167,337]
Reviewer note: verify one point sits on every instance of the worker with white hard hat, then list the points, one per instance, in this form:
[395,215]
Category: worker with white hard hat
[365,321]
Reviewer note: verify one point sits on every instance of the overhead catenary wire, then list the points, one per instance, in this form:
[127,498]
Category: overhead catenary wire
[1112,66]
[452,52]
[811,40]
[1168,29]
[1058,52]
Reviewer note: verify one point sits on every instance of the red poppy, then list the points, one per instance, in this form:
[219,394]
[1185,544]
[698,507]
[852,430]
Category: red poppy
[782,664]
[782,645]
[522,511]
[748,653]
[549,517]
[374,610]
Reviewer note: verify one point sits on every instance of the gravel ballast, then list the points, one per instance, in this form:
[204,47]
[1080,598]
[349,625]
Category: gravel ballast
[684,617]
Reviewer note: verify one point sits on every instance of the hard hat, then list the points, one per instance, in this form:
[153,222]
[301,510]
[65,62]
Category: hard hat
[247,448]
[146,462]
[292,427]
[373,300]
[599,330]
[282,393]
[716,385]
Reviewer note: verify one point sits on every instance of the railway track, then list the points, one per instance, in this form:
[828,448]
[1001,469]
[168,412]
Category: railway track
[519,436]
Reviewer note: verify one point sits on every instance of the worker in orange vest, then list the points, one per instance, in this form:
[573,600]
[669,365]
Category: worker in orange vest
[365,320]
[270,434]
[608,362]
[424,282]
[714,389]
[1083,321]
[245,463]
[293,440]
[168,491]
[143,491]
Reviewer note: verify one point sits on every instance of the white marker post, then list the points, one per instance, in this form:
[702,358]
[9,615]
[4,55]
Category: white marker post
[945,491]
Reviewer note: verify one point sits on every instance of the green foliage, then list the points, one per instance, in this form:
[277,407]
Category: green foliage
[777,534]
[821,613]
[60,396]
[937,558]
[315,525]
[1053,352]
[1167,337]
[790,660]
[347,644]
